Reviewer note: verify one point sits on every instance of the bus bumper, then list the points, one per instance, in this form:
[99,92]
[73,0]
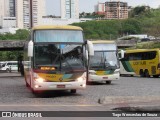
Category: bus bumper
[58,85]
[101,78]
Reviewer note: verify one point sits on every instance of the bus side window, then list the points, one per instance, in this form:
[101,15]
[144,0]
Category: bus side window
[152,55]
[126,57]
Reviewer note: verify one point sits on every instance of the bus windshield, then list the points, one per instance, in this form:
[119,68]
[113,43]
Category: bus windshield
[58,36]
[104,60]
[60,56]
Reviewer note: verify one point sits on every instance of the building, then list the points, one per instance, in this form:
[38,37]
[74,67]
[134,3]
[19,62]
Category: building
[70,9]
[9,22]
[4,10]
[116,10]
[7,9]
[12,8]
[29,12]
[100,8]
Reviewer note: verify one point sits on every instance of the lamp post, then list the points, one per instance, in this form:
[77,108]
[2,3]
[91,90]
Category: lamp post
[31,14]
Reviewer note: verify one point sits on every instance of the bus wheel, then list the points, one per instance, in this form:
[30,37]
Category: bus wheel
[73,91]
[141,73]
[146,73]
[35,92]
[155,76]
[108,82]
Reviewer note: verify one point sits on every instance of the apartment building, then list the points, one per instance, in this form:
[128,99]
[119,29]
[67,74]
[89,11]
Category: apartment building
[116,10]
[100,8]
[29,12]
[12,8]
[70,9]
[4,11]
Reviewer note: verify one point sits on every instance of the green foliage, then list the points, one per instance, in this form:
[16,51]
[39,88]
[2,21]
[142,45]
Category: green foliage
[148,45]
[10,55]
[142,20]
[21,34]
[109,29]
[139,10]
[131,26]
[90,15]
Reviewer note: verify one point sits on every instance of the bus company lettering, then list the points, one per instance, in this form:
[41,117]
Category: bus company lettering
[50,76]
[139,63]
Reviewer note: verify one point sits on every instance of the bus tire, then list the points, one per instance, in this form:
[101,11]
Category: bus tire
[73,91]
[141,73]
[108,82]
[155,76]
[146,73]
[35,92]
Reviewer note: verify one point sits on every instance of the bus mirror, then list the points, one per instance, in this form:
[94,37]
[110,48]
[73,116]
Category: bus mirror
[87,54]
[30,49]
[90,48]
[122,54]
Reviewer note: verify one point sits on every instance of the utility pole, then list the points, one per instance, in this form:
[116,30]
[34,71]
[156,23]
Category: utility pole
[31,14]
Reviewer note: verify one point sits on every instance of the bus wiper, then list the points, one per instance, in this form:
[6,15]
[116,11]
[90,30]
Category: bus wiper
[67,62]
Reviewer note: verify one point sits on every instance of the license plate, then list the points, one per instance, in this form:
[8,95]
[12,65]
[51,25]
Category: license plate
[60,86]
[105,77]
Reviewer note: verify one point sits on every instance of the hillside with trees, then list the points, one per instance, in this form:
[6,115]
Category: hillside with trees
[142,20]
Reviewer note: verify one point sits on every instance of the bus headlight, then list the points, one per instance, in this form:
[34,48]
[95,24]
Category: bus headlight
[40,80]
[80,79]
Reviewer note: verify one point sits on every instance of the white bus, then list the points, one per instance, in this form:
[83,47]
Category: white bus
[55,58]
[104,65]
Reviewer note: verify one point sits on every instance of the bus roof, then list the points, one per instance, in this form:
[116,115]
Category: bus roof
[65,27]
[102,41]
[141,50]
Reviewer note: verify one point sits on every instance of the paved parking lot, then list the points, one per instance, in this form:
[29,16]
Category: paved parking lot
[13,92]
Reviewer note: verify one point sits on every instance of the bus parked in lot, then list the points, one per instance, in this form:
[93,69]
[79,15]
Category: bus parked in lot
[104,65]
[143,62]
[55,58]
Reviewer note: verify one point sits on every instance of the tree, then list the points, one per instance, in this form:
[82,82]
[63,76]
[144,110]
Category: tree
[138,11]
[131,26]
[22,34]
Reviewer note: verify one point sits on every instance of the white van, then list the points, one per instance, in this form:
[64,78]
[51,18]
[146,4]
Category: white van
[9,66]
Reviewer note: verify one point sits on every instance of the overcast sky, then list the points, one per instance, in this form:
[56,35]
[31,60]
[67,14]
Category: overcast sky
[53,6]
